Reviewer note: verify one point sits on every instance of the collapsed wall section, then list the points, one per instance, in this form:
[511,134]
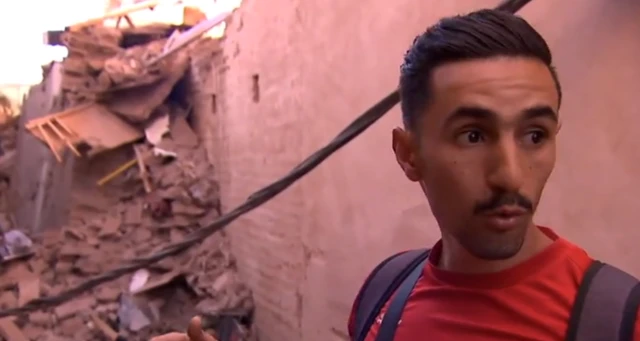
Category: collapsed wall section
[141,182]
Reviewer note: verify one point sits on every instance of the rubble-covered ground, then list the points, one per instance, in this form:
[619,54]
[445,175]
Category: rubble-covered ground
[159,299]
[168,194]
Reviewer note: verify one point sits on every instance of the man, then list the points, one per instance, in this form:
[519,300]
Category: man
[480,101]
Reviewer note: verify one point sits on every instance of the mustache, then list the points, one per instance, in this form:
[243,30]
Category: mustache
[498,200]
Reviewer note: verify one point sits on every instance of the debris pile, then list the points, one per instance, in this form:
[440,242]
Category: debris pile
[158,299]
[114,92]
[126,98]
[103,61]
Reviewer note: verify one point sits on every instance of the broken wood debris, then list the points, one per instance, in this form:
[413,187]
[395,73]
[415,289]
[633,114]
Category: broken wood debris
[91,128]
[200,281]
[155,300]
[114,91]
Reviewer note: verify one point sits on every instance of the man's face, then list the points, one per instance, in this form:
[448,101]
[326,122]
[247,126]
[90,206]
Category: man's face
[484,149]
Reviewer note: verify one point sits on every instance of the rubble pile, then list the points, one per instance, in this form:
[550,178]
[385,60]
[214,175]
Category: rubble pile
[104,60]
[158,299]
[121,102]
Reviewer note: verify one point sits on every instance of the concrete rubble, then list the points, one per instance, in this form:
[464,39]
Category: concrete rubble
[163,192]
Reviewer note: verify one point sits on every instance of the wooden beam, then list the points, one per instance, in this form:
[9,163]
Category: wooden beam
[187,37]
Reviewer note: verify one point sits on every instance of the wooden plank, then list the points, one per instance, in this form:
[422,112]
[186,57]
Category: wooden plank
[113,174]
[144,176]
[49,142]
[190,36]
[51,124]
[93,125]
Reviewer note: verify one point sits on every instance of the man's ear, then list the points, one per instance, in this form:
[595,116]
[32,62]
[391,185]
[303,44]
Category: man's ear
[405,148]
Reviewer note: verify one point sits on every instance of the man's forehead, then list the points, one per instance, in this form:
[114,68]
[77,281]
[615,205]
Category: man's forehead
[505,84]
[482,72]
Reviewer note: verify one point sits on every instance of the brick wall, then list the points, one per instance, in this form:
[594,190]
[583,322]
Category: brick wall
[317,64]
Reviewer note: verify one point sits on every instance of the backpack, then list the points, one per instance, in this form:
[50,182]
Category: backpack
[605,309]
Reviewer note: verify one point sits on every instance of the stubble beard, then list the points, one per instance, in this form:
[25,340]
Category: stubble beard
[488,244]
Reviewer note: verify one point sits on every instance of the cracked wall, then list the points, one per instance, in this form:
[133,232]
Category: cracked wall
[296,72]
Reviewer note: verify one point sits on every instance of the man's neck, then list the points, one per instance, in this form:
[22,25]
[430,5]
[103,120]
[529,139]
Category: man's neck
[457,259]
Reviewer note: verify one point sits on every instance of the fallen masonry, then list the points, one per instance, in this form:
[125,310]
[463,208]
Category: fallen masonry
[141,180]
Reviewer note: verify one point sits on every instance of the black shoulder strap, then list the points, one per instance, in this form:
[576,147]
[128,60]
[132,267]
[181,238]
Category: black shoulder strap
[606,306]
[380,285]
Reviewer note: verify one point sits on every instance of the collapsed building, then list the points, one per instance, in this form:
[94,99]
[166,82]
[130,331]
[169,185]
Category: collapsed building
[119,132]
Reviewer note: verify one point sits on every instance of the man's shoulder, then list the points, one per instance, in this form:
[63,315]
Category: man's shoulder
[380,281]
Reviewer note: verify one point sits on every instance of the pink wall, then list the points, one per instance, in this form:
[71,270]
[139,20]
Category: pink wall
[320,63]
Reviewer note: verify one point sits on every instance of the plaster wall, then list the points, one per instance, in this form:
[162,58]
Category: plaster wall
[319,64]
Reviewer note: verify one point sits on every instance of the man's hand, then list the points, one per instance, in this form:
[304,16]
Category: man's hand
[194,333]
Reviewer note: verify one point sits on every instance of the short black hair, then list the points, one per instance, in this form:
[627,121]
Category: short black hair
[477,35]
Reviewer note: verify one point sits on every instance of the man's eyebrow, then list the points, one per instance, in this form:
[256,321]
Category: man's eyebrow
[479,113]
[541,111]
[475,113]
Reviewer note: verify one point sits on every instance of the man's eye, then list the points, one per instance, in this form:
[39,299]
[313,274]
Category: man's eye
[470,137]
[535,137]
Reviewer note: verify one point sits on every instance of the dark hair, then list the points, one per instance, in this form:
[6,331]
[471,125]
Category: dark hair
[477,35]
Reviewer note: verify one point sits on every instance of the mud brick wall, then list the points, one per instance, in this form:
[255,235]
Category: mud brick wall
[316,65]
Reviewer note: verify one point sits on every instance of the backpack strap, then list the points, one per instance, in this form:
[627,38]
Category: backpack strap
[380,285]
[393,314]
[606,305]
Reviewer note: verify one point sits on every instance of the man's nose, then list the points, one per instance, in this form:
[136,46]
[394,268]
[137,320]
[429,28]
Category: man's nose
[506,167]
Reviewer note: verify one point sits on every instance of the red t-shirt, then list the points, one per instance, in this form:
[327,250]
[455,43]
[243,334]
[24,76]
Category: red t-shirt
[531,301]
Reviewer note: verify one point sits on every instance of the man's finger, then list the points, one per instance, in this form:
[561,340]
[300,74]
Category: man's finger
[195,333]
[171,337]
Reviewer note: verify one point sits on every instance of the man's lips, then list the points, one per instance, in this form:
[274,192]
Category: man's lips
[507,212]
[505,218]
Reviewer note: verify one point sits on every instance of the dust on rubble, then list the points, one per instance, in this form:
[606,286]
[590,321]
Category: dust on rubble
[155,300]
[164,193]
